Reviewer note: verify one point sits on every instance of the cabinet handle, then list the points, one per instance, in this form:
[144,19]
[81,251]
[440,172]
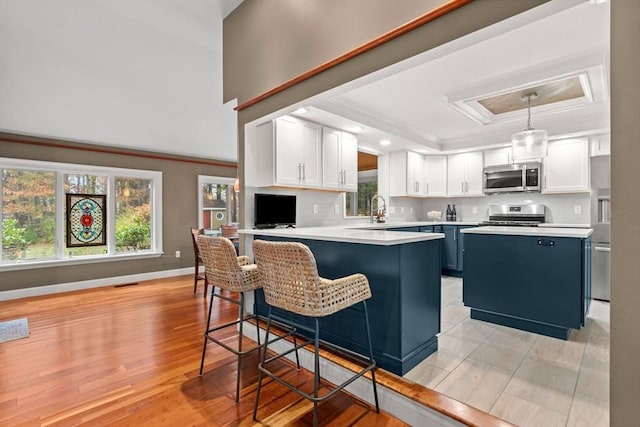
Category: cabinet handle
[546,242]
[426,188]
[304,175]
[462,186]
[602,249]
[299,171]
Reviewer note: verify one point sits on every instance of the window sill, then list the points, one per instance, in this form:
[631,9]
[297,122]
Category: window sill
[78,260]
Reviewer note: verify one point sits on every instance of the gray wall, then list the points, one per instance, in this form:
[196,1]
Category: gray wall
[625,67]
[179,212]
[625,205]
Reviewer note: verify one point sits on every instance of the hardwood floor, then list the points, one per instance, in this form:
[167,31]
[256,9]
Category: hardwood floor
[130,355]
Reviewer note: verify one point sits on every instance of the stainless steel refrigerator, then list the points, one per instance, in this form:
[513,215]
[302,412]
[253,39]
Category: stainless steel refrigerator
[600,222]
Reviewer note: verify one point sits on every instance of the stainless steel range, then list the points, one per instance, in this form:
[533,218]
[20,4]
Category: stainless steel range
[529,215]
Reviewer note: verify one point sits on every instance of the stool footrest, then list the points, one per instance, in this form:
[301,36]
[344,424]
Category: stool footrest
[371,366]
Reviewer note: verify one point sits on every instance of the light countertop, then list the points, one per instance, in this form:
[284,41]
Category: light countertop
[348,235]
[580,233]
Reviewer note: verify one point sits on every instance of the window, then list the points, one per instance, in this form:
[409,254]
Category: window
[33,210]
[359,203]
[218,202]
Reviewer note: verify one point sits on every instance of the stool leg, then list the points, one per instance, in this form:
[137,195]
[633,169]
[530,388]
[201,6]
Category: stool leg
[206,332]
[262,359]
[373,371]
[316,373]
[240,346]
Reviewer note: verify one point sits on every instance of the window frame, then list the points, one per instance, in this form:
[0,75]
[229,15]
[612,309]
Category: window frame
[209,179]
[60,169]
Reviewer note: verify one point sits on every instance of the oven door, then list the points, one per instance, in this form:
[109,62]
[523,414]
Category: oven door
[504,179]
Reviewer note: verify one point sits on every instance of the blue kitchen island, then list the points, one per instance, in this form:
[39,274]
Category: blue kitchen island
[533,278]
[403,269]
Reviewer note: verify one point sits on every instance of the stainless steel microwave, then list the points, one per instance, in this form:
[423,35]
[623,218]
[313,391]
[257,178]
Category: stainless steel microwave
[513,178]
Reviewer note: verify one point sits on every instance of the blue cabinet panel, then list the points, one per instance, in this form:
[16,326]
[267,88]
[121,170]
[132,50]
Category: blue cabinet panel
[404,310]
[461,237]
[539,280]
[450,247]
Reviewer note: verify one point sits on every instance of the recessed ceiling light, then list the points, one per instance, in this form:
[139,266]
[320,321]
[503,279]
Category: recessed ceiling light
[301,110]
[385,142]
[356,129]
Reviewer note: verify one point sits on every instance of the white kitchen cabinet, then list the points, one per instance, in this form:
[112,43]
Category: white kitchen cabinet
[497,157]
[435,176]
[566,167]
[339,160]
[600,145]
[464,174]
[406,173]
[289,153]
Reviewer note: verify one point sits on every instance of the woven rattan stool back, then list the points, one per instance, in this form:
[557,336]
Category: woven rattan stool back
[223,267]
[290,281]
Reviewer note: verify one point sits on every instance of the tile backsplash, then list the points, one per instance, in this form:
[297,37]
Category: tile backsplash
[561,208]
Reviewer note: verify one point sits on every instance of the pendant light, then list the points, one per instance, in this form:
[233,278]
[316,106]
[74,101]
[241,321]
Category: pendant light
[530,144]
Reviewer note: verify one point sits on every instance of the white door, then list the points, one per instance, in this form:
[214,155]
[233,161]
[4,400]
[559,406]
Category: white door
[566,167]
[288,151]
[435,168]
[474,165]
[312,155]
[455,175]
[331,168]
[349,157]
[415,174]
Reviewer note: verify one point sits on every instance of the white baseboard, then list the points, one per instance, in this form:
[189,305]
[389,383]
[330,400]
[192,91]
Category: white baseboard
[88,284]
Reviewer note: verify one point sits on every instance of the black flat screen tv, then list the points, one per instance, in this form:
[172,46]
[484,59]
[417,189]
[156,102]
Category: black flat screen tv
[274,210]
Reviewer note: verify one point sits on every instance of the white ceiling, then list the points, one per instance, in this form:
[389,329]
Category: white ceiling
[155,82]
[414,107]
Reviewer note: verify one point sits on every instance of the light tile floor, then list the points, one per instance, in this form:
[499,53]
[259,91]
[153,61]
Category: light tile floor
[522,377]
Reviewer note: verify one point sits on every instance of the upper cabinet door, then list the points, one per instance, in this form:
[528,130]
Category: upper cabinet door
[474,172]
[339,160]
[497,156]
[349,156]
[456,175]
[298,154]
[312,155]
[406,174]
[600,145]
[464,174]
[566,167]
[435,176]
[331,167]
[415,174]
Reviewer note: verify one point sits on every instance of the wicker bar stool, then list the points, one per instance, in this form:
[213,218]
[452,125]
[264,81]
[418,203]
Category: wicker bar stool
[195,232]
[227,271]
[290,281]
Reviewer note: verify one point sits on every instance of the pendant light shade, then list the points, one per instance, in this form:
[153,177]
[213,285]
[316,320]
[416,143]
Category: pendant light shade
[530,144]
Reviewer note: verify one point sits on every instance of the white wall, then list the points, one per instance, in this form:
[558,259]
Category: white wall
[137,74]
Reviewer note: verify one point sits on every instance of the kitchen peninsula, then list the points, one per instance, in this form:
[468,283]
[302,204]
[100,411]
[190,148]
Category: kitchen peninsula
[533,278]
[403,269]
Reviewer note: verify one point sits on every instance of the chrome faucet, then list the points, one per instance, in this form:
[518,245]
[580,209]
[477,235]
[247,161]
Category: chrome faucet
[380,211]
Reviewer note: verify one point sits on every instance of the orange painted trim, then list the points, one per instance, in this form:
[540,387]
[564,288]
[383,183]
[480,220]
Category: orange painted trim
[119,152]
[372,44]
